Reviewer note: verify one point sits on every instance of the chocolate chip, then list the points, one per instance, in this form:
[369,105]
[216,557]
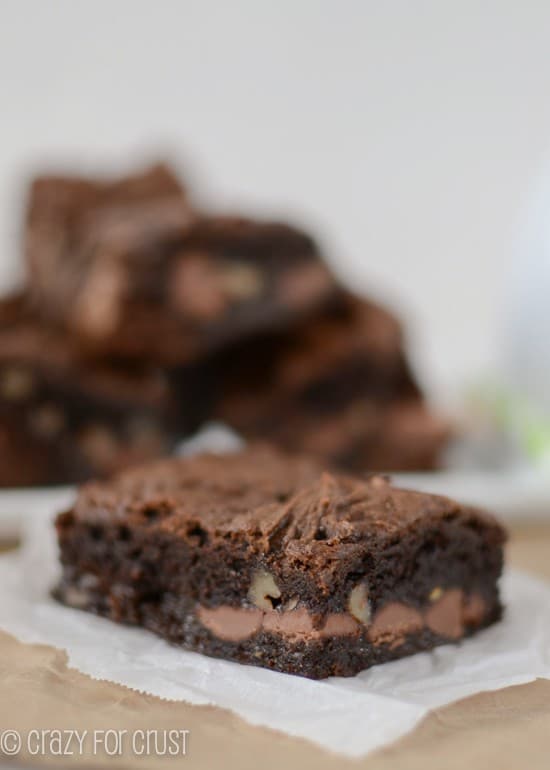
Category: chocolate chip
[195,288]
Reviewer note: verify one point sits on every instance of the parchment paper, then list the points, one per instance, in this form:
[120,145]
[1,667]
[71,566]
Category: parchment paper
[351,716]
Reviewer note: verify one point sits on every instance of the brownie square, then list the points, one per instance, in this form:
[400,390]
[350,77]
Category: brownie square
[368,435]
[338,386]
[178,297]
[60,212]
[64,420]
[264,559]
[132,271]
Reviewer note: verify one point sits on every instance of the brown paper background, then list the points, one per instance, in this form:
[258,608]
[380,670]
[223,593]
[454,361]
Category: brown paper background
[505,729]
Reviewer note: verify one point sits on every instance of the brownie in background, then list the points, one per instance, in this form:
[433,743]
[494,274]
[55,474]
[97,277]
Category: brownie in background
[145,277]
[64,420]
[369,436]
[143,317]
[337,386]
[61,213]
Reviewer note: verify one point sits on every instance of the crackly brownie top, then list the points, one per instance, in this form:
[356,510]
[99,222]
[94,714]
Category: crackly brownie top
[72,197]
[67,214]
[248,235]
[280,506]
[143,230]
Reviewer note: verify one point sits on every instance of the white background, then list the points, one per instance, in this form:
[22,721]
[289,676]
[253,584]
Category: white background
[406,131]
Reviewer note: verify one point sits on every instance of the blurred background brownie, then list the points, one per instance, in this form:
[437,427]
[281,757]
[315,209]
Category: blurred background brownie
[63,420]
[365,435]
[173,289]
[143,317]
[338,386]
[130,270]
[60,212]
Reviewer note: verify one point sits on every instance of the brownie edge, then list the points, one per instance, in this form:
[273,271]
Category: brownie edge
[264,559]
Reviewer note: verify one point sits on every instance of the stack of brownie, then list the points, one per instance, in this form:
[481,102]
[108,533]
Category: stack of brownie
[143,317]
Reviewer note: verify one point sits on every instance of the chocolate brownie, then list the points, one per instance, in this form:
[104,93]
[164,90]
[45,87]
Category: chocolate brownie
[338,386]
[264,559]
[150,279]
[176,298]
[366,435]
[63,420]
[61,210]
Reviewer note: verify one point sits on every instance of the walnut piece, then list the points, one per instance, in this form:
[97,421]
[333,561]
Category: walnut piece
[359,605]
[436,594]
[242,281]
[263,590]
[16,383]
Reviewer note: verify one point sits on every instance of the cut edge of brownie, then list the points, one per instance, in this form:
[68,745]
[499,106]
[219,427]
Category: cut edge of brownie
[317,576]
